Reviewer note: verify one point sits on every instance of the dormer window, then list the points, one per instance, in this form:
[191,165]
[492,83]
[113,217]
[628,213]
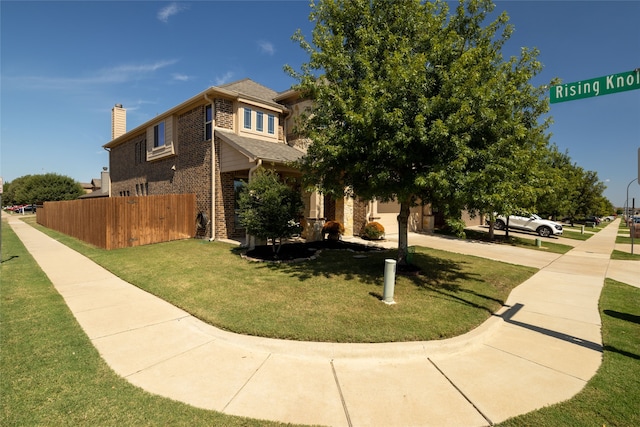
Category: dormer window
[253,121]
[259,121]
[247,118]
[271,124]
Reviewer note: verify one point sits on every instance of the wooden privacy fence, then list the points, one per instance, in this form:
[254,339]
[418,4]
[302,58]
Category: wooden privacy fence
[119,222]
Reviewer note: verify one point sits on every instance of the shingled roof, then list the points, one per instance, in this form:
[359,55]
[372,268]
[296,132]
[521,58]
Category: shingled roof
[250,88]
[256,149]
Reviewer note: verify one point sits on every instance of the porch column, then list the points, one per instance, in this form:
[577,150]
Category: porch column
[314,215]
[344,214]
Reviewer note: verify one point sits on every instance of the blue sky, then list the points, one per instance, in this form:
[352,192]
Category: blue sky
[64,64]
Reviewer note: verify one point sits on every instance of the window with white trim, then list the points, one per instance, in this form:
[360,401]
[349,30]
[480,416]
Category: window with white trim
[259,121]
[247,118]
[271,124]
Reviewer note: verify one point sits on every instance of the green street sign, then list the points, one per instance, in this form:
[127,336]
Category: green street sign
[595,87]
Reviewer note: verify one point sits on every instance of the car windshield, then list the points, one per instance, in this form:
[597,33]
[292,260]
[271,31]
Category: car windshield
[534,216]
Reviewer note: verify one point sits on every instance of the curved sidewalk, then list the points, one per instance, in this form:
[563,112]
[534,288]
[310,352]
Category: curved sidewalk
[540,349]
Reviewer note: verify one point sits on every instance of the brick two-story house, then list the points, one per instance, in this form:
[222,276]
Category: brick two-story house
[210,145]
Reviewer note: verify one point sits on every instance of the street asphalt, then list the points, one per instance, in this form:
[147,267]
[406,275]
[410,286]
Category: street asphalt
[541,348]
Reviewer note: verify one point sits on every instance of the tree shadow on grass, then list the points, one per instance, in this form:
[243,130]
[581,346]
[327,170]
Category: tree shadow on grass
[442,277]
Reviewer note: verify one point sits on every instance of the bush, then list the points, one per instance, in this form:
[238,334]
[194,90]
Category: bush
[334,229]
[373,231]
[269,208]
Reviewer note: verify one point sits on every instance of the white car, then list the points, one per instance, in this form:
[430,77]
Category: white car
[533,222]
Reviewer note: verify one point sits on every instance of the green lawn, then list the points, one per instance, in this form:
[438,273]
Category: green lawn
[334,298]
[514,240]
[626,256]
[575,234]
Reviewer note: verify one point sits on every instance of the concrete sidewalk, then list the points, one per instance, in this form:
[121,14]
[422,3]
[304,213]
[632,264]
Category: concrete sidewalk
[540,349]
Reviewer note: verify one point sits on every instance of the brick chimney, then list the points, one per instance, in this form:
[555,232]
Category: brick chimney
[118,121]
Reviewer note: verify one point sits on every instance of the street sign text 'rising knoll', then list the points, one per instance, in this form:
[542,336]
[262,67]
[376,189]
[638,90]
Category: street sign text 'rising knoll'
[595,87]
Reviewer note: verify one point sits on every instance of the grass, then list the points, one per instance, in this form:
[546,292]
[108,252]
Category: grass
[52,375]
[335,298]
[547,246]
[625,239]
[578,228]
[626,256]
[612,396]
[575,235]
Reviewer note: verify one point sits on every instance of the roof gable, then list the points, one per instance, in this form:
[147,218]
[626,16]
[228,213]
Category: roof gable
[250,88]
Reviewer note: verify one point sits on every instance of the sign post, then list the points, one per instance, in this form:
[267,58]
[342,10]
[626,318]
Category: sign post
[604,85]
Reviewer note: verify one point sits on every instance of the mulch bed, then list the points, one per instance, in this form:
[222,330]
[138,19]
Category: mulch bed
[305,250]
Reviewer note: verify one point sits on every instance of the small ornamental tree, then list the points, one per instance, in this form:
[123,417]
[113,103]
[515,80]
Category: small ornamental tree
[270,208]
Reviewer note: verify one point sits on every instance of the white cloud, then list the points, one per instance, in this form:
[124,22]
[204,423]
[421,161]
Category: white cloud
[126,72]
[181,77]
[224,79]
[117,74]
[168,11]
[266,47]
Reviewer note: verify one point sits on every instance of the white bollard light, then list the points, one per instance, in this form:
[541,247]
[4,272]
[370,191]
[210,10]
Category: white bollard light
[389,281]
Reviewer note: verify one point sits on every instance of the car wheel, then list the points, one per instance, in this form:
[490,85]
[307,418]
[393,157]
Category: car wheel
[499,225]
[544,231]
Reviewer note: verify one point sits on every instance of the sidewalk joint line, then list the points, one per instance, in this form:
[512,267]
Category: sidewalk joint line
[344,403]
[461,392]
[537,363]
[159,362]
[137,328]
[245,383]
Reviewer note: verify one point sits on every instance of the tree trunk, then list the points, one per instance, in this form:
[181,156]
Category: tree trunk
[492,223]
[506,229]
[403,234]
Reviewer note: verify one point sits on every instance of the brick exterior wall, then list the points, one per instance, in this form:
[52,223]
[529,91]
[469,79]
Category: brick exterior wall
[223,113]
[132,175]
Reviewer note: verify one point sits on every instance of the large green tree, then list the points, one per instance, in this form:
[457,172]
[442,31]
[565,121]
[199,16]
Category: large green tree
[508,143]
[41,188]
[573,192]
[402,91]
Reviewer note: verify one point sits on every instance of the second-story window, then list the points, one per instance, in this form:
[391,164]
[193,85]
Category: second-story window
[259,121]
[158,135]
[208,122]
[247,118]
[271,124]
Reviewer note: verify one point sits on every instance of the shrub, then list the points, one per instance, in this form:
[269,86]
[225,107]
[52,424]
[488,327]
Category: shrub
[269,208]
[334,229]
[373,231]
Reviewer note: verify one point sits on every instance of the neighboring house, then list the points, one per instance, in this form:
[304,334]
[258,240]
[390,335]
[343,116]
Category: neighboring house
[211,144]
[90,187]
[99,187]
